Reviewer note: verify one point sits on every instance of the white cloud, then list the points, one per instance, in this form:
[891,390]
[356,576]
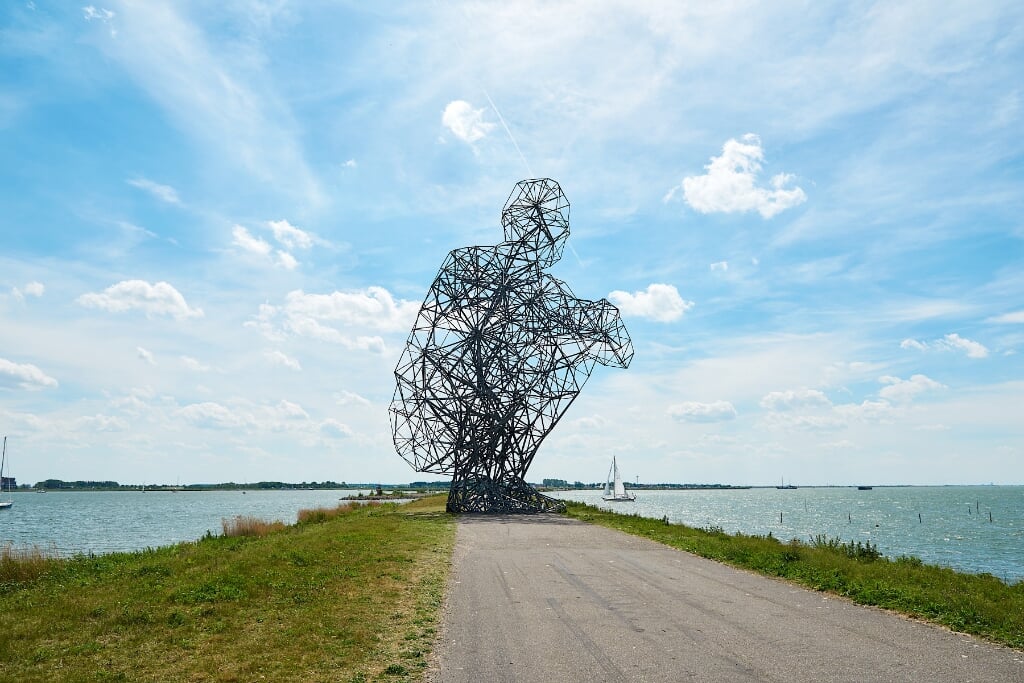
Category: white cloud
[289,411]
[284,232]
[332,428]
[720,265]
[692,411]
[973,349]
[254,245]
[730,184]
[348,397]
[286,260]
[351,163]
[794,398]
[658,302]
[805,423]
[951,342]
[145,355]
[33,288]
[339,317]
[283,359]
[164,193]
[1015,317]
[464,122]
[190,363]
[24,375]
[153,299]
[210,415]
[290,236]
[102,14]
[898,389]
[99,423]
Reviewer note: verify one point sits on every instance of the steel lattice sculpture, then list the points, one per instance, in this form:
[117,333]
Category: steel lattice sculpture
[499,351]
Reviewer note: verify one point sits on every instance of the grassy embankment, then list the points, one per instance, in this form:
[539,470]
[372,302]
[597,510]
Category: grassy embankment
[978,604]
[343,595]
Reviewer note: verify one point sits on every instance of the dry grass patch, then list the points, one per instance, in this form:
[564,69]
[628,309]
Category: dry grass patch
[24,564]
[247,525]
[322,514]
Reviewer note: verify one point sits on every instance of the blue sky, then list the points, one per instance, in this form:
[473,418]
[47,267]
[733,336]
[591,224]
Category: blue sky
[218,221]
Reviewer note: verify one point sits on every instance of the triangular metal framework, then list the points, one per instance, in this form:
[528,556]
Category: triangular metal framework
[498,352]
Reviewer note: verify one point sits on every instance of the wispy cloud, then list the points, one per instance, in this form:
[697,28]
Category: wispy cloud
[731,183]
[795,398]
[951,342]
[145,355]
[36,289]
[209,91]
[286,234]
[241,237]
[101,15]
[693,411]
[1013,318]
[164,193]
[284,360]
[290,236]
[190,363]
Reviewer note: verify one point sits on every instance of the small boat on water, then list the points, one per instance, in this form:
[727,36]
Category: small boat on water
[614,491]
[784,485]
[4,504]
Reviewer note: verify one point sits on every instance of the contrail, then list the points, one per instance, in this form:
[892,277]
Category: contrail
[510,136]
[508,131]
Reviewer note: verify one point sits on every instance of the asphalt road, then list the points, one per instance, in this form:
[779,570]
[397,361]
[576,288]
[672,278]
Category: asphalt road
[545,598]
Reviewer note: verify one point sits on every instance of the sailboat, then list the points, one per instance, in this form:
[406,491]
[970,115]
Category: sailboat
[614,491]
[4,504]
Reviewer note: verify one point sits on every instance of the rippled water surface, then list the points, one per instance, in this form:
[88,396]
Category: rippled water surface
[109,521]
[945,525]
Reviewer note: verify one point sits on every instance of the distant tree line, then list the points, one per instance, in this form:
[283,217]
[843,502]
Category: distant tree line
[60,484]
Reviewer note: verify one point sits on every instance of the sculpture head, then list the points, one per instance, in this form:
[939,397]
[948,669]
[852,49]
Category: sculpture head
[536,215]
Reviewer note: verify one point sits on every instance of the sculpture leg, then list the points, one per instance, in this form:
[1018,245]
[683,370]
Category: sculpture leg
[506,494]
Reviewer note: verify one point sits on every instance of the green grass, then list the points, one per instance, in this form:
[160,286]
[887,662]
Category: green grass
[352,596]
[979,604]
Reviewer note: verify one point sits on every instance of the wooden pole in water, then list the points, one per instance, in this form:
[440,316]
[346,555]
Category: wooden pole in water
[990,516]
[780,518]
[919,520]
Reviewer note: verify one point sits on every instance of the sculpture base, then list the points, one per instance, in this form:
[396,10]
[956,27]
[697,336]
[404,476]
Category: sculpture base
[499,497]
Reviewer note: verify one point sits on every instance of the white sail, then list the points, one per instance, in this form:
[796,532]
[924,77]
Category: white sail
[620,490]
[613,487]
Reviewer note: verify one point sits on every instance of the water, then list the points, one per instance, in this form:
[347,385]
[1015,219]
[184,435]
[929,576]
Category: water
[110,521]
[953,529]
[947,534]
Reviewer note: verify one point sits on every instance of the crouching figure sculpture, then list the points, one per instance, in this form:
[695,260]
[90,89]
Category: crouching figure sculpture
[498,353]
